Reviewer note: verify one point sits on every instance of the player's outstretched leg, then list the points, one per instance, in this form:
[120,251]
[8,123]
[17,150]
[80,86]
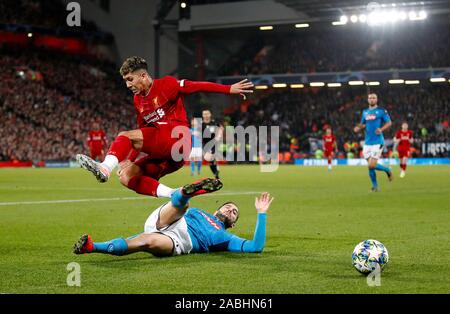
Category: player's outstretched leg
[180,198]
[96,168]
[85,245]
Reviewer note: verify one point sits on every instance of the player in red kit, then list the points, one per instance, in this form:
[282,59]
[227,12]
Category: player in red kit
[96,141]
[160,110]
[329,145]
[403,140]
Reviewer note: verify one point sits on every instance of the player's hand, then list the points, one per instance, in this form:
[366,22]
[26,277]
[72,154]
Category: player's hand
[243,87]
[378,131]
[262,203]
[356,129]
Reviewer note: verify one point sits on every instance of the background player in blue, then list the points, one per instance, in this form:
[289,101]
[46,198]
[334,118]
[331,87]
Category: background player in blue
[175,229]
[375,120]
[196,156]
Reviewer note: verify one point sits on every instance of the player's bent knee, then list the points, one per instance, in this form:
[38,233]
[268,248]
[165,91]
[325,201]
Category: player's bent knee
[128,173]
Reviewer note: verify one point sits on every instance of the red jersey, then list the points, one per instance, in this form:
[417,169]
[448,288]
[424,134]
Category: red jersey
[404,138]
[96,139]
[328,142]
[165,100]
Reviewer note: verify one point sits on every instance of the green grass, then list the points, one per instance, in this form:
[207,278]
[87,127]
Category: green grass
[316,220]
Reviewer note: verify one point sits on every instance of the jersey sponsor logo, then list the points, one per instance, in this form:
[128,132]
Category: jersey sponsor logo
[211,222]
[154,116]
[370,117]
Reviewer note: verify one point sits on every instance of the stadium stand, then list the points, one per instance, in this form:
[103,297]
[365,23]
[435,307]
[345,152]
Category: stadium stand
[340,50]
[304,114]
[47,109]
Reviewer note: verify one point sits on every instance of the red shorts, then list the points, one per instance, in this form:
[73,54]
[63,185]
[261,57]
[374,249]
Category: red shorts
[328,153]
[157,168]
[159,142]
[166,153]
[403,153]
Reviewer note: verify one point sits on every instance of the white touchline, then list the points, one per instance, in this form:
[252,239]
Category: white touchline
[110,199]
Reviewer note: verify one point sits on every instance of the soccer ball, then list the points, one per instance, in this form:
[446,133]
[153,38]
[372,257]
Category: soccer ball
[368,254]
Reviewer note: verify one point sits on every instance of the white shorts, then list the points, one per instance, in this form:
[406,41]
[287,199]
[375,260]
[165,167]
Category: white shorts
[177,231]
[196,152]
[372,151]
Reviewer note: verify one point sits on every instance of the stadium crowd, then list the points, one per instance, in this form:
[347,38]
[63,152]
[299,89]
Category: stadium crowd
[304,115]
[50,100]
[352,49]
[42,14]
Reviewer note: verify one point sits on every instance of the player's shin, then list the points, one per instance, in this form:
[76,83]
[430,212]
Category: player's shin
[380,167]
[373,177]
[118,151]
[179,200]
[117,247]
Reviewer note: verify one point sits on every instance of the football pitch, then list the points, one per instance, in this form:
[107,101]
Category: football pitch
[314,223]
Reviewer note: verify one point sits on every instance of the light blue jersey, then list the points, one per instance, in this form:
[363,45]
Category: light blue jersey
[196,138]
[208,234]
[374,119]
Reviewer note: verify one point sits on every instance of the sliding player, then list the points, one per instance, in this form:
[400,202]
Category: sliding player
[175,229]
[375,120]
[402,143]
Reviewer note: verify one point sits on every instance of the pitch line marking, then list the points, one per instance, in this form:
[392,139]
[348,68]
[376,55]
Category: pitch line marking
[109,199]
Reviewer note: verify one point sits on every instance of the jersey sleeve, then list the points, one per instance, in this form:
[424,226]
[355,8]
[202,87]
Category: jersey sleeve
[363,118]
[190,87]
[397,135]
[237,244]
[385,117]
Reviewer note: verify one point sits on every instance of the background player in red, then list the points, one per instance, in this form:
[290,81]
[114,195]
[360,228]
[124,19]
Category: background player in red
[329,145]
[403,140]
[96,142]
[159,105]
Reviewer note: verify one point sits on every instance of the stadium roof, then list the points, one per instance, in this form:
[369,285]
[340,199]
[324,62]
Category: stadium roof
[326,9]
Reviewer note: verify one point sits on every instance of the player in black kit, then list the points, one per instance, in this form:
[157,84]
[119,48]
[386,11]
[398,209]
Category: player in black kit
[216,132]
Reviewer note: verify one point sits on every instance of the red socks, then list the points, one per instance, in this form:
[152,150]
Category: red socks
[329,161]
[144,185]
[120,148]
[403,166]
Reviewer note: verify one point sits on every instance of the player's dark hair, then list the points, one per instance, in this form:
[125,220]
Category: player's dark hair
[233,203]
[132,64]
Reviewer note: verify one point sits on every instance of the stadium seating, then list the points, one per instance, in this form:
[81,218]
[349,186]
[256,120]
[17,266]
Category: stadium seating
[49,101]
[340,50]
[304,114]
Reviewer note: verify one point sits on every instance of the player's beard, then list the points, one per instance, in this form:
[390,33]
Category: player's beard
[226,221]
